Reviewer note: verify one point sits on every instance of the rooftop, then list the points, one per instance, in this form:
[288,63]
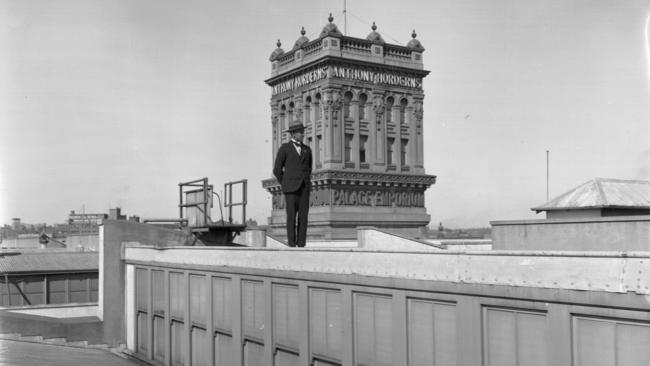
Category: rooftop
[47,261]
[25,353]
[602,193]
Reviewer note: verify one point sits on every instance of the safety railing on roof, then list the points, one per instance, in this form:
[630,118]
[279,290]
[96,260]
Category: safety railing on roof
[196,201]
[228,199]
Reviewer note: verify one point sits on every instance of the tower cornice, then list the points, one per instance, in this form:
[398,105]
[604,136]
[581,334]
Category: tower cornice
[328,60]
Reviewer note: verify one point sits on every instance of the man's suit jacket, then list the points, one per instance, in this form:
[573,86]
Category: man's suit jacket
[292,169]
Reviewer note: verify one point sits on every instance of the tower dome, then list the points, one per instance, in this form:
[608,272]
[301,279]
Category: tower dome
[302,40]
[374,36]
[414,44]
[277,52]
[330,29]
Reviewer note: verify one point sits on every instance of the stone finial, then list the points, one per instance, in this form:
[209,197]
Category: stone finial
[277,52]
[414,44]
[374,36]
[302,31]
[330,18]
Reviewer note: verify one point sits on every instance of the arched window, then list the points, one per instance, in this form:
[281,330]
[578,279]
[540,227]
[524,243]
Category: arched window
[307,111]
[402,110]
[283,120]
[347,147]
[317,106]
[362,106]
[390,151]
[363,148]
[290,114]
[347,98]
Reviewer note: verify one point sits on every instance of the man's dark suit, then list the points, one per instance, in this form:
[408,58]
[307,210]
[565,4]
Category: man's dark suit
[293,171]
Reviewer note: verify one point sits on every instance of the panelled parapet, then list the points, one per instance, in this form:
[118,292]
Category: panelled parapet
[243,306]
[331,42]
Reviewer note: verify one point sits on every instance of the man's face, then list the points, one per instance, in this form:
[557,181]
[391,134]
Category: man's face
[298,135]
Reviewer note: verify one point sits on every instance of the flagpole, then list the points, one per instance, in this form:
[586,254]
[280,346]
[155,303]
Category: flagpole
[345,18]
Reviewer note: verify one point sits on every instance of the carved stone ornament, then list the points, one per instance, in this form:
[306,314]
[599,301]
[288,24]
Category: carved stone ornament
[418,112]
[378,106]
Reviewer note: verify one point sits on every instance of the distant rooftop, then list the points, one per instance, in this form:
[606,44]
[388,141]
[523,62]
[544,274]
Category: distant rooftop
[602,193]
[47,261]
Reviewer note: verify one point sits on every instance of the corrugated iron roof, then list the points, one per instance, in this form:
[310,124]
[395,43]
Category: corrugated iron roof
[600,193]
[48,261]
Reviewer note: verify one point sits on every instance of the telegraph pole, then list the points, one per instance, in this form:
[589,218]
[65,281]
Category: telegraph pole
[547,174]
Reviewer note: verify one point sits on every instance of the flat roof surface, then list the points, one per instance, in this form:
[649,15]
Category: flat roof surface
[18,353]
[60,312]
[47,261]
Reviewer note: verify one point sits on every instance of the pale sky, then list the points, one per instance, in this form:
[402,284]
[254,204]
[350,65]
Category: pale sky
[113,103]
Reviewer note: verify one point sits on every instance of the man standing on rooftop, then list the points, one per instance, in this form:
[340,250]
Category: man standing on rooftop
[293,170]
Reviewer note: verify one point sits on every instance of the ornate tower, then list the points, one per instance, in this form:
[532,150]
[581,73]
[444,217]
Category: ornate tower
[361,103]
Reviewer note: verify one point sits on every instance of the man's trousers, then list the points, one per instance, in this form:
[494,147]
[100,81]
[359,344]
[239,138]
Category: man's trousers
[297,208]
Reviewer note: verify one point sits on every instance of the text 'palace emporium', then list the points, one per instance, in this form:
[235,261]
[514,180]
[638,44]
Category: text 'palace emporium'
[361,103]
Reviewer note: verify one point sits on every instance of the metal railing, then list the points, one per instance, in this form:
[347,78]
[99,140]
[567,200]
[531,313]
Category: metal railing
[200,201]
[228,199]
[202,205]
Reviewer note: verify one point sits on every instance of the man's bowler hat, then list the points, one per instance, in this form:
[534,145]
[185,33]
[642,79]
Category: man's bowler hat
[295,127]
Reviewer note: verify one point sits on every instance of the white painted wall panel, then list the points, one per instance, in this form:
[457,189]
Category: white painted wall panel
[431,333]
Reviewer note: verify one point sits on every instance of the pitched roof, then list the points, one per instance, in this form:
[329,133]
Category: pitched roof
[600,193]
[48,261]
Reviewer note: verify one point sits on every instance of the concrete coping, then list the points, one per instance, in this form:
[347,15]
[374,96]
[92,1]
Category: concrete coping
[571,220]
[276,238]
[405,237]
[464,241]
[617,272]
[509,253]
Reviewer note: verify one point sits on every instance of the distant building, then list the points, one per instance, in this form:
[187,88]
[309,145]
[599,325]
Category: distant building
[599,215]
[30,278]
[89,222]
[116,214]
[600,198]
[86,218]
[21,241]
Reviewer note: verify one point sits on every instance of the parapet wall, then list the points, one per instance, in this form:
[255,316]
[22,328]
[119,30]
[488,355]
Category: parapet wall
[623,233]
[112,235]
[261,306]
